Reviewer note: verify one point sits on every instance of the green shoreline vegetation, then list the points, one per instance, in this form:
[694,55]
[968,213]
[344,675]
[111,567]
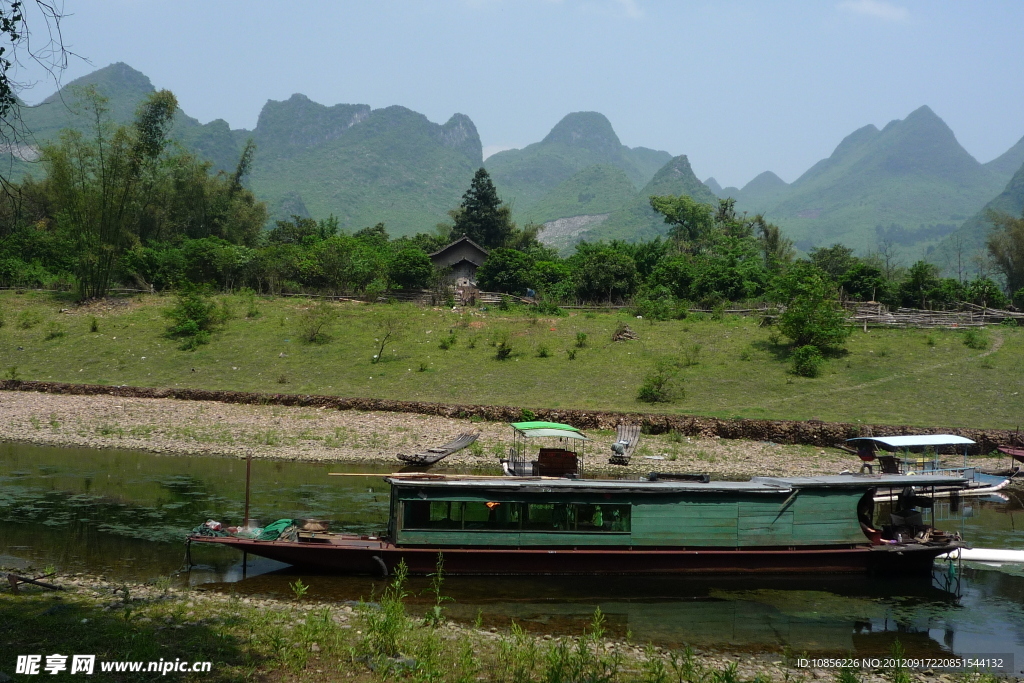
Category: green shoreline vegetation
[722,365]
[257,638]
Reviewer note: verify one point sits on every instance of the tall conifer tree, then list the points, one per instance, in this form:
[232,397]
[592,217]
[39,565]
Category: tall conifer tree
[482,216]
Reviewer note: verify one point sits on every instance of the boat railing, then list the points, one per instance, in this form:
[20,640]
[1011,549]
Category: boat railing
[918,466]
[517,463]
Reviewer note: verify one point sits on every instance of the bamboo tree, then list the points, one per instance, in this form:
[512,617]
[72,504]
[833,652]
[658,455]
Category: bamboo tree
[102,185]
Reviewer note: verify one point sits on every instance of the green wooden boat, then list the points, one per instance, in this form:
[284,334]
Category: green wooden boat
[548,525]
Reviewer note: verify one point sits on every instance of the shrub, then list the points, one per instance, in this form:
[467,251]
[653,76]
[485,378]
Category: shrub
[94,324]
[975,339]
[571,353]
[545,307]
[659,306]
[691,355]
[315,320]
[503,350]
[249,297]
[807,361]
[660,384]
[813,316]
[193,317]
[54,331]
[581,340]
[28,319]
[543,352]
[502,343]
[447,342]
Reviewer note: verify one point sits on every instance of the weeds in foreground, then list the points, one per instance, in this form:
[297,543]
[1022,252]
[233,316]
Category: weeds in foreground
[386,624]
[299,589]
[975,340]
[435,614]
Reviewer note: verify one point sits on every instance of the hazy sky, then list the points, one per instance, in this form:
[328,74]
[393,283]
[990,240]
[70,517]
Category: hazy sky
[740,87]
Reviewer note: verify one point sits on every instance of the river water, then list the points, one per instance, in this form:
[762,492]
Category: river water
[124,514]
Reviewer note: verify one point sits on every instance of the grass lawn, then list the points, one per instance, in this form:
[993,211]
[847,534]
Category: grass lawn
[918,377]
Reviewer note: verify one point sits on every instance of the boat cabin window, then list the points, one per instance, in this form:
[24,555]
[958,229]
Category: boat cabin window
[506,516]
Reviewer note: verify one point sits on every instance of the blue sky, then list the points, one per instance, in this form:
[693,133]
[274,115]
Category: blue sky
[740,87]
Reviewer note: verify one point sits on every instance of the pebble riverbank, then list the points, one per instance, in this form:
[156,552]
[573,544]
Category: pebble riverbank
[170,426]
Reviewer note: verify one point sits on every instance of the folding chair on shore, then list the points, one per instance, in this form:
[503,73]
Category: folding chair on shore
[626,439]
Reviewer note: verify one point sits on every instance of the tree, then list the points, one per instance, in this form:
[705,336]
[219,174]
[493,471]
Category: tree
[1006,247]
[691,221]
[777,250]
[922,278]
[389,327]
[304,231]
[102,186]
[411,268]
[482,216]
[834,260]
[17,46]
[605,273]
[507,270]
[813,315]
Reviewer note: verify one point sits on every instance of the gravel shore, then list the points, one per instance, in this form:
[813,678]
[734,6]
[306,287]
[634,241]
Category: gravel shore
[290,433]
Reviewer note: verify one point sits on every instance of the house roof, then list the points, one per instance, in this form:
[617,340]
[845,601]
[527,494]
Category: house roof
[459,241]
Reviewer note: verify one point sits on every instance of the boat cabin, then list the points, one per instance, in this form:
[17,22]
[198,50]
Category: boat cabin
[765,512]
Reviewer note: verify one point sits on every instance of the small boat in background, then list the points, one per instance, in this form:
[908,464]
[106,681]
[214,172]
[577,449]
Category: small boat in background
[433,455]
[1015,449]
[918,454]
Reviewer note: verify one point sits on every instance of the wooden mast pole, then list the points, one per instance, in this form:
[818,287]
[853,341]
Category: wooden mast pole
[248,479]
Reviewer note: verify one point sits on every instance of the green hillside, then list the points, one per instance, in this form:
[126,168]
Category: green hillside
[594,190]
[388,165]
[910,183]
[580,140]
[764,190]
[637,220]
[970,237]
[125,88]
[1009,161]
[715,188]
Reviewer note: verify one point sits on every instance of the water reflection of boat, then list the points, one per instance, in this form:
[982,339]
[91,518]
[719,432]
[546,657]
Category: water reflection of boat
[547,525]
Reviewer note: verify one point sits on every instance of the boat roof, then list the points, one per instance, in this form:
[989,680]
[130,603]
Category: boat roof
[755,485]
[915,440]
[552,429]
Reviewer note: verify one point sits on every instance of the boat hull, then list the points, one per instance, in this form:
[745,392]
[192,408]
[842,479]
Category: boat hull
[1016,453]
[363,556]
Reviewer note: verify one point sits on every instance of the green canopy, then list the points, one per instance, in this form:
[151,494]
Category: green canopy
[550,429]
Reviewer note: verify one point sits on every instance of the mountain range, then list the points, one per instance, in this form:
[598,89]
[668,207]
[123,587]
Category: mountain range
[909,184]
